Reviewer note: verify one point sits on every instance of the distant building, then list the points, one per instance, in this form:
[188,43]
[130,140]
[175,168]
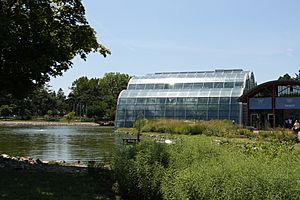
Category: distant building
[272,104]
[200,95]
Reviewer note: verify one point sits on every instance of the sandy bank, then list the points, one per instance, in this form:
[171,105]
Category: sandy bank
[32,123]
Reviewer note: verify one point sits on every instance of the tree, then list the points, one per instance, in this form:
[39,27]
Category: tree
[6,110]
[285,77]
[111,85]
[38,39]
[70,116]
[84,92]
[97,97]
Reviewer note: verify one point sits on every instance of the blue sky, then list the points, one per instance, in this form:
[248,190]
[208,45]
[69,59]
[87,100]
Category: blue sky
[262,36]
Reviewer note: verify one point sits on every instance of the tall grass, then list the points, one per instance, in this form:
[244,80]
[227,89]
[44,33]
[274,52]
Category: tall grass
[220,128]
[197,168]
[213,127]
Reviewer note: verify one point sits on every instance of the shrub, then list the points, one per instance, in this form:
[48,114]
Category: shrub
[229,172]
[139,170]
[87,119]
[196,168]
[196,129]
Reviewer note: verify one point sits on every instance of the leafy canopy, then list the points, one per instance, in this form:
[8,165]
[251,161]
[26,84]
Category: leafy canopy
[38,39]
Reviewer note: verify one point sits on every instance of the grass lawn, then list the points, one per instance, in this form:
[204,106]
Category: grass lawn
[23,185]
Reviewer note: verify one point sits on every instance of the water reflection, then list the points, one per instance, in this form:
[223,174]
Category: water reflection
[69,143]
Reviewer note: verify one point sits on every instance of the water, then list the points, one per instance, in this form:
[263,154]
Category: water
[68,143]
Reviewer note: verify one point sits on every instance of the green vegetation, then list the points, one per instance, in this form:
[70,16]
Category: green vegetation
[27,185]
[41,39]
[196,167]
[219,128]
[209,160]
[70,116]
[91,100]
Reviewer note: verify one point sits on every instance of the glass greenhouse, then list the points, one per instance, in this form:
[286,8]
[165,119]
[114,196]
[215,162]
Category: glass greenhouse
[203,95]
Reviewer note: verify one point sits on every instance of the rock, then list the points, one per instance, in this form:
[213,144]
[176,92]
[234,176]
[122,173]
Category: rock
[39,162]
[168,141]
[5,156]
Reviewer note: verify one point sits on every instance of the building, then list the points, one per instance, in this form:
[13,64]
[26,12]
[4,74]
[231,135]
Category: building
[272,104]
[201,95]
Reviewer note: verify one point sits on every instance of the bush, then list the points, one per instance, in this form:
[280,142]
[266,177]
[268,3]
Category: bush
[203,171]
[213,127]
[87,119]
[196,168]
[139,170]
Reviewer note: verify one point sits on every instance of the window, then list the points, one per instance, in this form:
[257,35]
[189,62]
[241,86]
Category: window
[212,100]
[224,100]
[229,85]
[202,100]
[198,85]
[208,85]
[171,101]
[178,85]
[131,87]
[188,86]
[131,100]
[149,86]
[140,86]
[141,101]
[159,86]
[218,85]
[191,100]
[239,84]
[151,100]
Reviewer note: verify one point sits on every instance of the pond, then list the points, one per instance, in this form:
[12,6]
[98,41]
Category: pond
[57,143]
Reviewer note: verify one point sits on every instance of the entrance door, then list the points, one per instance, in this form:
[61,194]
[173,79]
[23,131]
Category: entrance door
[271,117]
[255,120]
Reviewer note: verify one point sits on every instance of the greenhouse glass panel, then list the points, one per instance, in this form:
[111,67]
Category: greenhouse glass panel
[224,100]
[180,100]
[131,101]
[149,86]
[184,95]
[188,86]
[202,107]
[159,86]
[213,100]
[180,113]
[218,84]
[122,101]
[131,87]
[140,86]
[229,85]
[208,85]
[140,100]
[198,85]
[178,86]
[202,100]
[171,100]
[238,84]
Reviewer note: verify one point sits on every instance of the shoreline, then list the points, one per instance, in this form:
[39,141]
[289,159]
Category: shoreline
[37,123]
[35,165]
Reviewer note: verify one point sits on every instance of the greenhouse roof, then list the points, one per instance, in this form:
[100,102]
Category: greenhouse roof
[234,75]
[214,92]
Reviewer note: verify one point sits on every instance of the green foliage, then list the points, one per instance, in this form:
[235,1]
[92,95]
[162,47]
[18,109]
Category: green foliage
[70,116]
[197,168]
[86,119]
[39,40]
[220,128]
[213,127]
[285,77]
[6,110]
[139,170]
[97,97]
